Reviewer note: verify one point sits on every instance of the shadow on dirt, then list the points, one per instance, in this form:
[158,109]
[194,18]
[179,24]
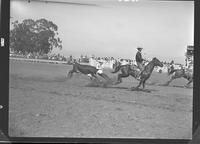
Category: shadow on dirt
[142,90]
[39,78]
[111,82]
[110,85]
[164,85]
[96,83]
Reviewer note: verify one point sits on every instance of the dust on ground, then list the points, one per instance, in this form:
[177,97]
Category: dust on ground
[42,103]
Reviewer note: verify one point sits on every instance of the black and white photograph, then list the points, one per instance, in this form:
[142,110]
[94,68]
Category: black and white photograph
[101,69]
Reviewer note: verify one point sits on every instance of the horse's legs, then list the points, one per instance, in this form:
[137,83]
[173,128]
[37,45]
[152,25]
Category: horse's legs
[119,78]
[70,74]
[191,80]
[96,77]
[143,83]
[135,75]
[104,76]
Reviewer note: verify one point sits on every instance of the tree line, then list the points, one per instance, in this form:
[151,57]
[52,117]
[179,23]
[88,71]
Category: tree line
[34,36]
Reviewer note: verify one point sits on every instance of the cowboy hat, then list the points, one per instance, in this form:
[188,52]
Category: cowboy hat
[139,48]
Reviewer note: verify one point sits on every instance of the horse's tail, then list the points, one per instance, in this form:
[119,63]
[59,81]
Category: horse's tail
[116,69]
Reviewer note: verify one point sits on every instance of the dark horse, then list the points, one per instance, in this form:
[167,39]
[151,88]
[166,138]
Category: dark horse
[135,72]
[179,73]
[91,71]
[126,70]
[148,69]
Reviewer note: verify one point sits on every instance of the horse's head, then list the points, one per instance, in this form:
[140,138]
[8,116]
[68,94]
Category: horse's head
[157,62]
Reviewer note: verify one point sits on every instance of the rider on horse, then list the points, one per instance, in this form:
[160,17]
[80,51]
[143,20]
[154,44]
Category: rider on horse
[172,64]
[172,68]
[139,59]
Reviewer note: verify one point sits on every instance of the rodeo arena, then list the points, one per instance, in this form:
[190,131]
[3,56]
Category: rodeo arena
[58,96]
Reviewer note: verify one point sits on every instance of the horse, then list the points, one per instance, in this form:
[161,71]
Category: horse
[147,71]
[88,70]
[126,70]
[179,73]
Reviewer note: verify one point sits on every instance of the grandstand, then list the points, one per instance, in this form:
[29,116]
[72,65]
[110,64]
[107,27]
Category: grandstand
[189,60]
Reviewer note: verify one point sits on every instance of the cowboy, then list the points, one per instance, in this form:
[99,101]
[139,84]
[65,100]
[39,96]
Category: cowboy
[183,68]
[139,59]
[172,65]
[99,66]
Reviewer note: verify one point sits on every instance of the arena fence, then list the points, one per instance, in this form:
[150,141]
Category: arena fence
[38,60]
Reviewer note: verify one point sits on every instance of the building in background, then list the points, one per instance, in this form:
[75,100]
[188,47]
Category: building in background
[189,60]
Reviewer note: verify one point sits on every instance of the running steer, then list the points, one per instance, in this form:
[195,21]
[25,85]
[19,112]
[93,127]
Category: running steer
[91,71]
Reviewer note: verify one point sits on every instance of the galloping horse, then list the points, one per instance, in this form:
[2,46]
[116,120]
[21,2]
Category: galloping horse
[91,71]
[146,73]
[179,73]
[126,70]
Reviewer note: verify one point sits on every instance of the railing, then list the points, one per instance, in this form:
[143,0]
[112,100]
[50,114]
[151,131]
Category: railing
[38,60]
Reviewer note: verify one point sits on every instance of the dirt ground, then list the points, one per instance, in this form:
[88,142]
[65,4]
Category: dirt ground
[43,103]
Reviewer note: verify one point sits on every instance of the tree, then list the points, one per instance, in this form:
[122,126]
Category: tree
[38,36]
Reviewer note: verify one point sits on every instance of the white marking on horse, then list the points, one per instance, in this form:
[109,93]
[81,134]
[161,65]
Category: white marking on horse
[89,75]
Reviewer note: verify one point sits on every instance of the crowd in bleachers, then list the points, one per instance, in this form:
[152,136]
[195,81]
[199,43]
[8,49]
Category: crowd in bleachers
[86,59]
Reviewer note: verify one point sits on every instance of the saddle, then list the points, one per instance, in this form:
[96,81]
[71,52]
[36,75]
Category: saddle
[136,68]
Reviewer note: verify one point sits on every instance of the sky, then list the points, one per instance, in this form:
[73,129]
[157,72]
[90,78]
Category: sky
[113,28]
